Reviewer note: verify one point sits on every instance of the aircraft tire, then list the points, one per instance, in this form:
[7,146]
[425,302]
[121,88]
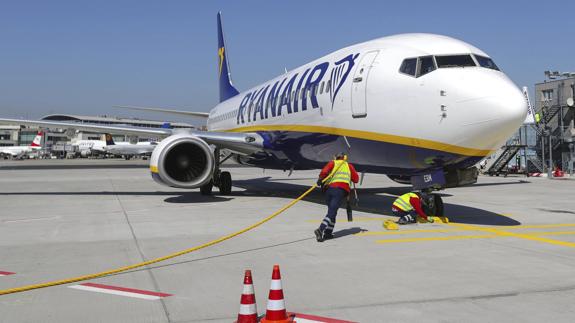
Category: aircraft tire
[206,189]
[438,205]
[225,183]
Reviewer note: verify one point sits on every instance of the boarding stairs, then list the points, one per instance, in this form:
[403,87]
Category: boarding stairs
[499,166]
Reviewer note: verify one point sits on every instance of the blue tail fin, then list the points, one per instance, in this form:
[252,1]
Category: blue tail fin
[227,90]
[109,140]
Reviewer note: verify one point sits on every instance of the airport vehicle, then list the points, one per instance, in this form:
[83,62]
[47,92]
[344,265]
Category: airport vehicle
[20,151]
[127,149]
[420,108]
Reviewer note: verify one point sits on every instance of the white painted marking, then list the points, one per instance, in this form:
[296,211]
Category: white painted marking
[32,219]
[114,292]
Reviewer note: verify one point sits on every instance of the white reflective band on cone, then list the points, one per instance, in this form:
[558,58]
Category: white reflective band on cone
[248,289]
[276,284]
[276,305]
[247,309]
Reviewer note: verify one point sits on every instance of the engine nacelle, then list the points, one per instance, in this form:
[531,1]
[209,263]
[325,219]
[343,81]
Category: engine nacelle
[182,161]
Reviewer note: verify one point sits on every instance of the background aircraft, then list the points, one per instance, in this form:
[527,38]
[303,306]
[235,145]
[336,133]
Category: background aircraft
[128,150]
[19,151]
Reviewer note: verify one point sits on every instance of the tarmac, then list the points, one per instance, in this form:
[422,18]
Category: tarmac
[508,254]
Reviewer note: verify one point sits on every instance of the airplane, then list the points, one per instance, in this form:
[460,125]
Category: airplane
[127,149]
[419,108]
[17,151]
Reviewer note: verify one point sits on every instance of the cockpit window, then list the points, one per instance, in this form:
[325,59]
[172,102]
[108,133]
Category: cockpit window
[486,62]
[409,66]
[426,65]
[454,61]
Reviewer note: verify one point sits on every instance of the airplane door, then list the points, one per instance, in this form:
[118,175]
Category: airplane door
[359,86]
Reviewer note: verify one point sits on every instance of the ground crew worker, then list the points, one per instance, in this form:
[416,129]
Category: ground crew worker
[340,174]
[408,206]
[537,118]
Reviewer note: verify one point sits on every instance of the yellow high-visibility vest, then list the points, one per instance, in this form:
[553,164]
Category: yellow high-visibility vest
[403,203]
[340,172]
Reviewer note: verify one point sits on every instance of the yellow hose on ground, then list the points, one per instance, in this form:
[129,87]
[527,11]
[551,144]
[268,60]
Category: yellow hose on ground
[153,261]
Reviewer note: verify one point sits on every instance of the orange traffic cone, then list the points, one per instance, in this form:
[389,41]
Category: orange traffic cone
[248,311]
[276,309]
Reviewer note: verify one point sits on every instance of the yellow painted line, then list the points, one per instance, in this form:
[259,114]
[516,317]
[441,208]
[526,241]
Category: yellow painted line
[438,238]
[553,233]
[515,235]
[355,219]
[541,226]
[368,135]
[484,236]
[384,233]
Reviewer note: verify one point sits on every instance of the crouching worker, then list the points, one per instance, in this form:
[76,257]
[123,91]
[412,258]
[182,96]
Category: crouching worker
[339,174]
[407,207]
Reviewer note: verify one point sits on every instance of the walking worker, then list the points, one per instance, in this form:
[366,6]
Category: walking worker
[408,206]
[338,175]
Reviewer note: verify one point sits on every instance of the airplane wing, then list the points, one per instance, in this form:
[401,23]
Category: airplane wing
[170,111]
[242,143]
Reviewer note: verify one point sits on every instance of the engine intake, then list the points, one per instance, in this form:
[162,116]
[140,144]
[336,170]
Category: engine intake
[182,161]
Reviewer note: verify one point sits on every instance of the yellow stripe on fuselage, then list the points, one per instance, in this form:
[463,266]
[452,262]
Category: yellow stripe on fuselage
[422,143]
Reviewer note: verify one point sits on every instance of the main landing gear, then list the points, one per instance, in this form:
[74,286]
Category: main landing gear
[434,204]
[222,180]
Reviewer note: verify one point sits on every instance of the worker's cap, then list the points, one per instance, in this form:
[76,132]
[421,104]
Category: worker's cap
[341,155]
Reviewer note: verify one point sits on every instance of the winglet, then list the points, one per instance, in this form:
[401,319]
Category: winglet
[227,90]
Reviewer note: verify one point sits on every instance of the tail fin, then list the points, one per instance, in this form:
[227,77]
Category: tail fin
[227,90]
[37,140]
[109,140]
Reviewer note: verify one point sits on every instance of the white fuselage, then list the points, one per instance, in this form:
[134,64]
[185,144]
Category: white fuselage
[17,150]
[127,149]
[462,111]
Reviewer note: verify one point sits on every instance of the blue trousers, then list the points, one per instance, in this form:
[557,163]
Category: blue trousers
[333,198]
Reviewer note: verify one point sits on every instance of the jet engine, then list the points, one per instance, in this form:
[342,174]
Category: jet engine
[183,161]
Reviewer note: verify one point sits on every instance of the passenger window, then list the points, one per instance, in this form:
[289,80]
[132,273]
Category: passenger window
[408,66]
[454,61]
[426,65]
[328,86]
[486,62]
[321,88]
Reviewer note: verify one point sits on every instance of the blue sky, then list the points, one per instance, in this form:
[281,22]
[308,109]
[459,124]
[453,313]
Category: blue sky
[83,57]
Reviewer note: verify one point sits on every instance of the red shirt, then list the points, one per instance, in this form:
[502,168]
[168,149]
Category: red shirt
[327,169]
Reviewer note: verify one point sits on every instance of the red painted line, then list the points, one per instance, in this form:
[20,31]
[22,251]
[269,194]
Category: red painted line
[6,273]
[125,289]
[319,318]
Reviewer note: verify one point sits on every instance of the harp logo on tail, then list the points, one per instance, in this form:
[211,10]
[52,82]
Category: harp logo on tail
[221,51]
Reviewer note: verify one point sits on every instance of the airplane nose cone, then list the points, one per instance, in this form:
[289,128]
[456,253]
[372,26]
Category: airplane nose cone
[495,108]
[510,107]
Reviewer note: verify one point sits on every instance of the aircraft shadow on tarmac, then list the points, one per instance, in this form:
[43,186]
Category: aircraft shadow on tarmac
[371,200]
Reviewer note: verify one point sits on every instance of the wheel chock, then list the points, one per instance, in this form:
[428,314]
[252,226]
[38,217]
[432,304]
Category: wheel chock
[436,219]
[390,225]
[442,219]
